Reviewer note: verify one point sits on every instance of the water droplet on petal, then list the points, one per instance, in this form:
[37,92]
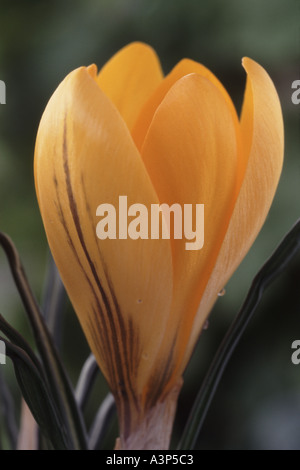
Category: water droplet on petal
[222,293]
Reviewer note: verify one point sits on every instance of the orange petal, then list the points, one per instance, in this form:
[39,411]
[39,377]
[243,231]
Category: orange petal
[263,140]
[120,289]
[190,152]
[183,68]
[129,78]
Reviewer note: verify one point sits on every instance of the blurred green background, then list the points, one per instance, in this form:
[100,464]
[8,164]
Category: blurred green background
[257,405]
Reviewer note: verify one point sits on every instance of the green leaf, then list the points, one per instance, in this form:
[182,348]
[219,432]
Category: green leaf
[102,421]
[59,384]
[287,249]
[7,411]
[37,397]
[86,380]
[54,298]
[17,339]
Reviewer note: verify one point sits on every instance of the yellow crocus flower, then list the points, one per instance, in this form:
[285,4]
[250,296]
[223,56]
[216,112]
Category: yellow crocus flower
[128,130]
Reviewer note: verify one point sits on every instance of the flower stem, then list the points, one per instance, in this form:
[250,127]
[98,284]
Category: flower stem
[153,427]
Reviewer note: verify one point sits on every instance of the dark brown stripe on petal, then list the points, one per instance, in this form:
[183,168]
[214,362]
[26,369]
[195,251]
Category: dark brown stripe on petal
[131,366]
[134,346]
[117,386]
[103,332]
[96,330]
[127,345]
[109,318]
[160,377]
[76,220]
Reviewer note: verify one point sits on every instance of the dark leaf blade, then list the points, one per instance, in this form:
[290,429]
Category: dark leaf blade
[59,384]
[278,261]
[7,410]
[86,380]
[37,397]
[102,422]
[18,340]
[54,298]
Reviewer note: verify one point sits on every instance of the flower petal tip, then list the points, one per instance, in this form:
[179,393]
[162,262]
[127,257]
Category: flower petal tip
[92,70]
